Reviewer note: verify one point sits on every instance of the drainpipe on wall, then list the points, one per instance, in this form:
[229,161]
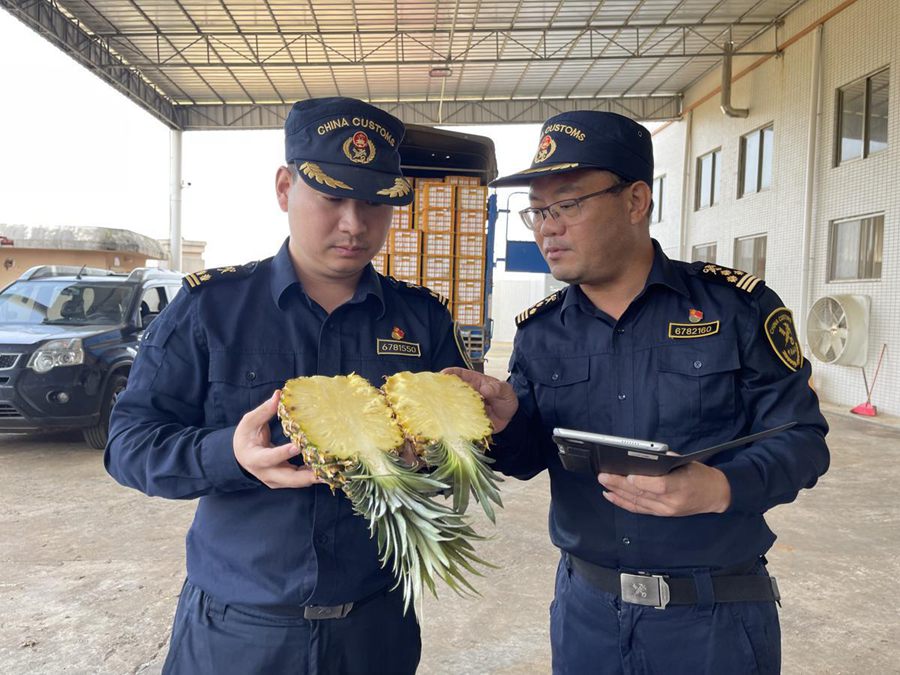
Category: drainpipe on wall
[175,188]
[686,193]
[808,189]
[726,85]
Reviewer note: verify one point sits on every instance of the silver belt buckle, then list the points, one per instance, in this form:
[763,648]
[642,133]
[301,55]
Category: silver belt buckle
[319,612]
[650,590]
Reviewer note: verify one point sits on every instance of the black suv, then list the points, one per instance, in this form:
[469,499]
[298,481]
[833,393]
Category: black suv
[68,337]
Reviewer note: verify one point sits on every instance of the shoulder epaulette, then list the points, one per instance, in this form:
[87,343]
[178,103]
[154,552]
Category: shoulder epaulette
[421,290]
[196,280]
[540,307]
[730,277]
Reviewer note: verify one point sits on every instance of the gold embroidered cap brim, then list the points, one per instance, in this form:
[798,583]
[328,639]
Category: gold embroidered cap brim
[527,175]
[356,182]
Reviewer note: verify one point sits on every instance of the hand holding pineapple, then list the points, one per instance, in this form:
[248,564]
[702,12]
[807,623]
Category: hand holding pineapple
[500,402]
[254,451]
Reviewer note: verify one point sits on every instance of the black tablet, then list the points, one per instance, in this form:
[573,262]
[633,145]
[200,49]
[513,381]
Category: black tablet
[586,452]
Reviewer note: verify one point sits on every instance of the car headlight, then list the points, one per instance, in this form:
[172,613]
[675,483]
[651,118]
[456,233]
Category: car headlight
[57,353]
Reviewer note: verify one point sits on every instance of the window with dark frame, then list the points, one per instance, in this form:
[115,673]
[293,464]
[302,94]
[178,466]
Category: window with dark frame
[704,252]
[750,255]
[855,248]
[756,161]
[707,182]
[862,117]
[656,215]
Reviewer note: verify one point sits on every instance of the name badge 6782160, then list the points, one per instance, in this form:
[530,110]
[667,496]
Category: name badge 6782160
[693,330]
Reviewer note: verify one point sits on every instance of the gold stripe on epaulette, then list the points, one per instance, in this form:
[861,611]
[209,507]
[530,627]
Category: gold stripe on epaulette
[192,280]
[748,283]
[440,298]
[538,307]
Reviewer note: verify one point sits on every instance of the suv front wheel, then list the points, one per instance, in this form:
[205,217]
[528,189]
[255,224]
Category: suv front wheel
[97,435]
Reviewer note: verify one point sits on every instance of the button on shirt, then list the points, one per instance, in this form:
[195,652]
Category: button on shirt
[220,351]
[576,367]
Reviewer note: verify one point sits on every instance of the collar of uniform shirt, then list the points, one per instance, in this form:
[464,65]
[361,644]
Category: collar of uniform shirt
[662,272]
[284,277]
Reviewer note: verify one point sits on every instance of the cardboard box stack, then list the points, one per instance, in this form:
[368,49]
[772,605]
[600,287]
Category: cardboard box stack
[439,241]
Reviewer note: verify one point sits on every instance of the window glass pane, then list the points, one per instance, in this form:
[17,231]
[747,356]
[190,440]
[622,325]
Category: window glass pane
[845,250]
[750,164]
[743,254]
[750,255]
[768,147]
[759,257]
[704,252]
[851,109]
[656,216]
[878,111]
[870,243]
[705,179]
[714,198]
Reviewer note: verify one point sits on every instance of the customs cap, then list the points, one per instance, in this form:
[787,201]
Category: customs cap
[345,147]
[588,139]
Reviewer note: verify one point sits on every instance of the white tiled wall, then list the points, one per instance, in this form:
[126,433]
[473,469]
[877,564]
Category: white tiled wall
[857,41]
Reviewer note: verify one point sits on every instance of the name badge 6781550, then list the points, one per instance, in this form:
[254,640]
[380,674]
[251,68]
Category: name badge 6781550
[398,348]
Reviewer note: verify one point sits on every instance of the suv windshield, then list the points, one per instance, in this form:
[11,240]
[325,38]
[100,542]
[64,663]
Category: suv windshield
[73,303]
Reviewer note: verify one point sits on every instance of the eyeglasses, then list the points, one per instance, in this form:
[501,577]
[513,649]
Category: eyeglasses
[566,210]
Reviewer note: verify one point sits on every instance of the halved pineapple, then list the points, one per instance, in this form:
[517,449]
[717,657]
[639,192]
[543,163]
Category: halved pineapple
[444,419]
[349,437]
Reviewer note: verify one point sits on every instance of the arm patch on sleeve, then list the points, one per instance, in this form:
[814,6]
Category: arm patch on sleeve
[782,336]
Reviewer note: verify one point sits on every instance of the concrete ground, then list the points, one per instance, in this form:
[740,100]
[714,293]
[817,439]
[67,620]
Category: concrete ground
[90,571]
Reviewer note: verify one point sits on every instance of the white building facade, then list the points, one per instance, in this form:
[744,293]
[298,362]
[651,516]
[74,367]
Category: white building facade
[814,219]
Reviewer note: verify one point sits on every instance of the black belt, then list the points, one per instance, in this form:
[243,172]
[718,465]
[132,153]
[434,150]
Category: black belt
[659,590]
[321,612]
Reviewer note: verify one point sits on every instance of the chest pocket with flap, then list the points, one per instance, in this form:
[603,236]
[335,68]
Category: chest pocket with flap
[239,381]
[697,387]
[561,389]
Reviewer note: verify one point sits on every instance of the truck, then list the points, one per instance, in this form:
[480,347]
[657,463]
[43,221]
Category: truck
[445,239]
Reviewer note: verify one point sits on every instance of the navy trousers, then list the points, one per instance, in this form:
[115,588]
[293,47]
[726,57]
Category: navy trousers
[209,637]
[592,631]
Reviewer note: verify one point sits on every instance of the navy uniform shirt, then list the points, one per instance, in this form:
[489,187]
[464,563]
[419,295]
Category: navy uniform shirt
[221,350]
[689,363]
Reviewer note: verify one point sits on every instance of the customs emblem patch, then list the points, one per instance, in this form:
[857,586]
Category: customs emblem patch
[358,148]
[546,148]
[782,335]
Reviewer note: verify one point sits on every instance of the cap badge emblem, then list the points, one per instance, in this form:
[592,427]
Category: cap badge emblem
[359,149]
[546,148]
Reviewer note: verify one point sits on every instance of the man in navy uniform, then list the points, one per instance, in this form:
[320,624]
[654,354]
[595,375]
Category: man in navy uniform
[658,574]
[282,576]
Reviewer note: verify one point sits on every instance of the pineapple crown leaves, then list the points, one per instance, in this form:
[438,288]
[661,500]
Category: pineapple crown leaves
[468,470]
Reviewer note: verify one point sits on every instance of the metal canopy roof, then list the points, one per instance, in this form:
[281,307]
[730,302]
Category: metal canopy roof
[201,64]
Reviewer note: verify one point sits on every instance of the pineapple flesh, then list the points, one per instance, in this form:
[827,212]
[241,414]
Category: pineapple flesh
[444,419]
[348,436]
